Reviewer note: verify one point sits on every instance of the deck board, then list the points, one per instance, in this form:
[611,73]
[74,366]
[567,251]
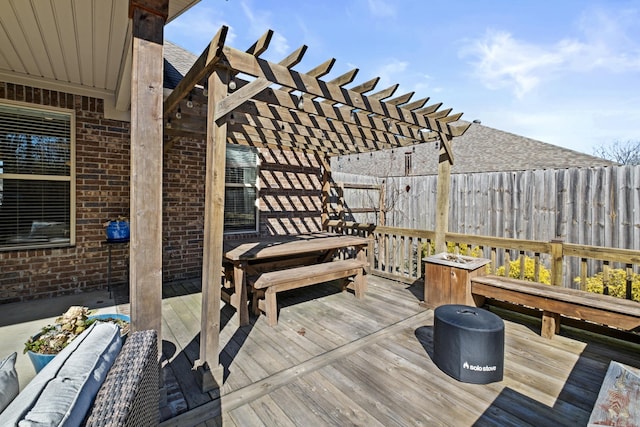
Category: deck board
[333,359]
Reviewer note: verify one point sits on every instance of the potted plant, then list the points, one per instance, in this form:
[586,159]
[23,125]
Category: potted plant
[117,229]
[47,343]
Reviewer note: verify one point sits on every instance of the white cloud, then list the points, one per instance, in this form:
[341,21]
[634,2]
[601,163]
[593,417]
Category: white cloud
[381,8]
[259,23]
[200,25]
[574,125]
[503,61]
[390,73]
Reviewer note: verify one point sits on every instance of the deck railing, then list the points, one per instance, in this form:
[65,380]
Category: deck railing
[398,254]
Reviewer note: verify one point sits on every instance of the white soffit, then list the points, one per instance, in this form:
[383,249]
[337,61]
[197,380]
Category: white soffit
[84,45]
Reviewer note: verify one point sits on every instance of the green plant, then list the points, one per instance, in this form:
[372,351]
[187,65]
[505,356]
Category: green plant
[119,218]
[463,249]
[53,338]
[617,284]
[529,271]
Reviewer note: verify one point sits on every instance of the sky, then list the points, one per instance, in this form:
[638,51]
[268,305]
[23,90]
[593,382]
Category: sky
[563,72]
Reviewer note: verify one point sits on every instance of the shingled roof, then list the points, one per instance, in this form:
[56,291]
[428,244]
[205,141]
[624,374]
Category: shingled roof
[480,149]
[177,62]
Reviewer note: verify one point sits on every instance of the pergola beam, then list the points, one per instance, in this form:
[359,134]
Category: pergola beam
[317,72]
[240,136]
[288,117]
[402,99]
[294,57]
[325,119]
[201,68]
[343,114]
[249,90]
[385,93]
[261,45]
[248,64]
[281,106]
[344,142]
[241,95]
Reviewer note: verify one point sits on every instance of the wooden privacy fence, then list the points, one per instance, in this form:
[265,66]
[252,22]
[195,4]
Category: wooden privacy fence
[370,201]
[588,206]
[398,253]
[582,206]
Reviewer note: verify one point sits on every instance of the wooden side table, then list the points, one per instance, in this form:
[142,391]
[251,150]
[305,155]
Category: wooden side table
[447,278]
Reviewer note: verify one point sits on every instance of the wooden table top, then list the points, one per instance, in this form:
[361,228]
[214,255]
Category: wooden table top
[237,250]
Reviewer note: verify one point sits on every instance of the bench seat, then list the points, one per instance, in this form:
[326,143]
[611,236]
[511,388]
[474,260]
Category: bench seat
[267,285]
[556,301]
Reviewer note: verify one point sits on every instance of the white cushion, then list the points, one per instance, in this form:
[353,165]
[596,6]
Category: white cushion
[62,392]
[9,386]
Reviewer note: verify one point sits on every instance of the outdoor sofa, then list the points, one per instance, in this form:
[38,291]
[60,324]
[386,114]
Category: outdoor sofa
[94,381]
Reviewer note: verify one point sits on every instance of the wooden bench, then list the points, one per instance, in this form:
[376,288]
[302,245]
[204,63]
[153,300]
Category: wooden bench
[267,285]
[556,301]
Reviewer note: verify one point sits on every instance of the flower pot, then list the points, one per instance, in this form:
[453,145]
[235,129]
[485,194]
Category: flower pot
[39,360]
[117,230]
[107,316]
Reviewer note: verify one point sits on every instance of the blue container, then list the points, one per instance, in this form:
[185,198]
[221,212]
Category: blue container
[118,230]
[110,316]
[39,360]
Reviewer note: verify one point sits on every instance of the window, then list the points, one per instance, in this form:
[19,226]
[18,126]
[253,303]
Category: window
[37,178]
[241,189]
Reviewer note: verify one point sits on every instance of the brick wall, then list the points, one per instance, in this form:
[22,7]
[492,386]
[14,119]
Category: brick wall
[290,189]
[102,192]
[289,203]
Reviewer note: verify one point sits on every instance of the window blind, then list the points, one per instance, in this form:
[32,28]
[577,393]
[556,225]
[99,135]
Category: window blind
[241,172]
[35,177]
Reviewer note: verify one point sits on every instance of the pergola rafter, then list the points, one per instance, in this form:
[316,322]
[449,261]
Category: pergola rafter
[391,123]
[277,107]
[282,105]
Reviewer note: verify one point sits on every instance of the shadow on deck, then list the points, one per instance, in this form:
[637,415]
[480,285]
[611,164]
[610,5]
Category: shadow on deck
[335,360]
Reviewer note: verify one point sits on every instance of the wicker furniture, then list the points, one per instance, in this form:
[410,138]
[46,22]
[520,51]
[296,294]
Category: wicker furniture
[129,395]
[94,381]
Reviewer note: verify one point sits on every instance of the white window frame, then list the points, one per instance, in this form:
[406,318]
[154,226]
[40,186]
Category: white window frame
[71,178]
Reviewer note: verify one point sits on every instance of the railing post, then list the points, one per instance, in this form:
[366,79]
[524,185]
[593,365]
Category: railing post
[341,210]
[557,259]
[371,253]
[325,163]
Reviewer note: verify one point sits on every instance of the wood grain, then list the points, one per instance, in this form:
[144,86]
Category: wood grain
[336,360]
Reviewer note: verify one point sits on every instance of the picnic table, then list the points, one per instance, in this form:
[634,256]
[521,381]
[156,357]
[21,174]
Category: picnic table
[282,263]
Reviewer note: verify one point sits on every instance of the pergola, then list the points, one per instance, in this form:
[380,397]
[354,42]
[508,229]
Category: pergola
[237,97]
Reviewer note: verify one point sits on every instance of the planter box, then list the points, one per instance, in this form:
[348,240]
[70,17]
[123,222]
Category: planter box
[39,360]
[447,278]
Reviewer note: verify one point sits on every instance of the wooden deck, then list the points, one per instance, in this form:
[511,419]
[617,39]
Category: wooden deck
[337,360]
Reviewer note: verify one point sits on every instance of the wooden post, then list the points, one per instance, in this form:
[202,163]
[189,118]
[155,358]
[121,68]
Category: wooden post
[145,258]
[325,162]
[556,263]
[341,209]
[442,197]
[381,205]
[209,368]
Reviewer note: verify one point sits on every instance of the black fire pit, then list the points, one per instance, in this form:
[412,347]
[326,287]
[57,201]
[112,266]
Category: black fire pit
[468,343]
